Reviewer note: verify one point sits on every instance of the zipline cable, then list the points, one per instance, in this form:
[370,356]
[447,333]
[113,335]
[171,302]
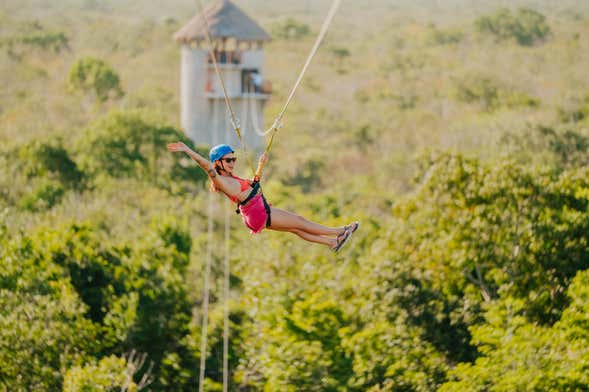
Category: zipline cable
[278,120]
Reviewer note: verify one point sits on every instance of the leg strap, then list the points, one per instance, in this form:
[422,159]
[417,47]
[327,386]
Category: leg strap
[268,212]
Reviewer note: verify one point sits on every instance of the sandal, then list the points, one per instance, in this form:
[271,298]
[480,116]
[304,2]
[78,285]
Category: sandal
[343,238]
[353,226]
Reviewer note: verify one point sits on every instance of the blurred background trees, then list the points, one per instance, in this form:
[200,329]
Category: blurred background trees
[457,135]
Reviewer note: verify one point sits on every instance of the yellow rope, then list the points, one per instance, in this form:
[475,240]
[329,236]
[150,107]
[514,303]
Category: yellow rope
[278,120]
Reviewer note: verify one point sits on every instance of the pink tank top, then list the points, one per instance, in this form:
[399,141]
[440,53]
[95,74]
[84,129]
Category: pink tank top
[245,184]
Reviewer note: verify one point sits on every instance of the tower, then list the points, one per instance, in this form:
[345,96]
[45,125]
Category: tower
[238,48]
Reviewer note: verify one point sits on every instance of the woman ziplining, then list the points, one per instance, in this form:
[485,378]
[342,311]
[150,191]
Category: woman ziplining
[257,214]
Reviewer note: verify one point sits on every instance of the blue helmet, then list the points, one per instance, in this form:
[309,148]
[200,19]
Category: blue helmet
[219,151]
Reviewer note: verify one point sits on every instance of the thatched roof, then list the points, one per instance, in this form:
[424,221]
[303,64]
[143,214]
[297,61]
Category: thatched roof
[225,21]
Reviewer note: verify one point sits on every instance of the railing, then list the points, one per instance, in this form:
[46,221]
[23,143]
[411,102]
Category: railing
[226,57]
[264,87]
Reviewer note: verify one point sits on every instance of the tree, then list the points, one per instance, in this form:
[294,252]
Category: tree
[43,173]
[526,26]
[132,144]
[42,325]
[471,235]
[51,159]
[528,356]
[490,93]
[305,350]
[109,374]
[90,74]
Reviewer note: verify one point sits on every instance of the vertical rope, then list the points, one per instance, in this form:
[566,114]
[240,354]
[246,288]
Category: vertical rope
[205,304]
[214,58]
[226,291]
[207,277]
[226,286]
[253,105]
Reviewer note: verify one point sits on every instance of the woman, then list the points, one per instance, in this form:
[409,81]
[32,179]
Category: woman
[252,205]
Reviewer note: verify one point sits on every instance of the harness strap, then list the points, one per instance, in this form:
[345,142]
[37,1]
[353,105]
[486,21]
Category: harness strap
[256,189]
[268,214]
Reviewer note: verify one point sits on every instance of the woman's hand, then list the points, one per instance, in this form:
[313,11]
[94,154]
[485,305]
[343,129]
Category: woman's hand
[261,162]
[263,158]
[181,147]
[178,147]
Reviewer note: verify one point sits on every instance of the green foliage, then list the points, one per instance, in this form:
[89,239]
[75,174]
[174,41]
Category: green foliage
[52,160]
[176,235]
[526,26]
[576,112]
[109,374]
[90,74]
[44,196]
[569,147]
[54,41]
[507,229]
[340,52]
[404,100]
[388,357]
[48,171]
[491,94]
[575,318]
[214,363]
[527,356]
[306,351]
[42,327]
[559,147]
[96,298]
[132,144]
[35,36]
[290,29]
[307,175]
[472,279]
[437,36]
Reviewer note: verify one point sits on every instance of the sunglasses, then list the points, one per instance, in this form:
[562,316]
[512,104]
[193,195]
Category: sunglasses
[228,160]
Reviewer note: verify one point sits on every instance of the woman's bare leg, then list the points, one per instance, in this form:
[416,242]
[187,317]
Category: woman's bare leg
[329,241]
[287,221]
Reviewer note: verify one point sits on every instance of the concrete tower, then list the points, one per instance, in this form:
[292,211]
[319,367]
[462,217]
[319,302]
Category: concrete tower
[238,47]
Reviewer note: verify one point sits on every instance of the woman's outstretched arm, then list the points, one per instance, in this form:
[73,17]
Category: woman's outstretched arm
[202,162]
